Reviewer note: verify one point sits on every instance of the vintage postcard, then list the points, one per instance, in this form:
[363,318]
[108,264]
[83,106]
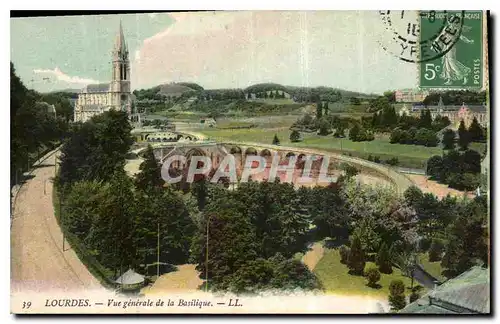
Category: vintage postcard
[250,162]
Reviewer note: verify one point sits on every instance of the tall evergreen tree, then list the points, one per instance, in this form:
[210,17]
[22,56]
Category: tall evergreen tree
[326,109]
[384,259]
[356,257]
[463,136]
[276,140]
[448,139]
[319,110]
[150,172]
[476,132]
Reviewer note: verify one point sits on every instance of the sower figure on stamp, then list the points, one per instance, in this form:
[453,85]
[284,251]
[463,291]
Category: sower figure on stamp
[453,69]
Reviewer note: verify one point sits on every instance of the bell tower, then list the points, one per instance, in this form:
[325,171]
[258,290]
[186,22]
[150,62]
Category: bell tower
[120,80]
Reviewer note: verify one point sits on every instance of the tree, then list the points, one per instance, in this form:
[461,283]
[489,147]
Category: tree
[319,110]
[468,238]
[448,139]
[276,140]
[326,108]
[350,170]
[383,259]
[393,161]
[436,250]
[390,95]
[149,175]
[97,149]
[476,132]
[162,212]
[355,101]
[463,136]
[415,293]
[397,298]
[425,119]
[324,127]
[373,276]
[231,241]
[354,132]
[294,136]
[82,204]
[356,257]
[111,236]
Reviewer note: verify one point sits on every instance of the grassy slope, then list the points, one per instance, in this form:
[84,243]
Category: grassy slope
[433,268]
[335,278]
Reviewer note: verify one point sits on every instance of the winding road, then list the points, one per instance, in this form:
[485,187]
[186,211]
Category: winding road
[38,262]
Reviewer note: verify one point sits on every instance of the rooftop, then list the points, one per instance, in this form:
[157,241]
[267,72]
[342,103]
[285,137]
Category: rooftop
[469,293]
[96,88]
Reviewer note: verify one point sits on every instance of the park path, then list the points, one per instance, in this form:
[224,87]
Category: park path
[184,279]
[313,255]
[38,262]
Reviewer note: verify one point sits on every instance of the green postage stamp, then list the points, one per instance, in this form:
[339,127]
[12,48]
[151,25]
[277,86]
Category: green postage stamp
[451,49]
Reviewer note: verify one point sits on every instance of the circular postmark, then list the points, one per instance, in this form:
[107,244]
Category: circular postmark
[420,36]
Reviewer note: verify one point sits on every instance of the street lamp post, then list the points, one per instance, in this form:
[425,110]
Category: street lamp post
[158,253]
[206,257]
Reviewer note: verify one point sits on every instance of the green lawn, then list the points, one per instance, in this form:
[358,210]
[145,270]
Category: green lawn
[433,268]
[408,155]
[335,278]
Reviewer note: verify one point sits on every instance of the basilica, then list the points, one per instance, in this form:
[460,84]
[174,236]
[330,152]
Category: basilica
[98,98]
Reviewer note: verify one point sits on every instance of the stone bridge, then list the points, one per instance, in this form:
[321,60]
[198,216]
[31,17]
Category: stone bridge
[217,151]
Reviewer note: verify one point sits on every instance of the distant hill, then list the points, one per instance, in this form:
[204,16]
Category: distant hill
[173,89]
[68,90]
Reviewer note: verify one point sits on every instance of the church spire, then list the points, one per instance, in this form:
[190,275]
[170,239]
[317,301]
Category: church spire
[120,45]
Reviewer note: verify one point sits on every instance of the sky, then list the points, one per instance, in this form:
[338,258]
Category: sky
[339,49]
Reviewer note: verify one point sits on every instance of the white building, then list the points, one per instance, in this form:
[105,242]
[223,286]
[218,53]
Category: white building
[98,98]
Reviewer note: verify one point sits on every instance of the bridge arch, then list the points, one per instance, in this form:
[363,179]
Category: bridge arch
[250,151]
[265,152]
[235,150]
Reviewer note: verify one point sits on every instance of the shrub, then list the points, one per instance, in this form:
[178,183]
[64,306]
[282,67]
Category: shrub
[415,293]
[397,298]
[344,254]
[294,136]
[393,161]
[372,275]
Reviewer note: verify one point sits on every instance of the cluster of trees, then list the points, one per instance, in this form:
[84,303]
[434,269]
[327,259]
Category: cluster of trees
[269,94]
[118,219]
[326,125]
[359,134]
[474,133]
[222,94]
[312,95]
[418,131]
[456,97]
[458,170]
[452,230]
[33,129]
[265,87]
[254,232]
[422,136]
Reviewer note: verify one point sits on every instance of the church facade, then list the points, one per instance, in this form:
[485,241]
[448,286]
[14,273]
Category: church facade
[98,98]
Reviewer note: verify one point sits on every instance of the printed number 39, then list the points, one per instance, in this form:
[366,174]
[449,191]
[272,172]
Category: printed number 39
[26,304]
[430,71]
